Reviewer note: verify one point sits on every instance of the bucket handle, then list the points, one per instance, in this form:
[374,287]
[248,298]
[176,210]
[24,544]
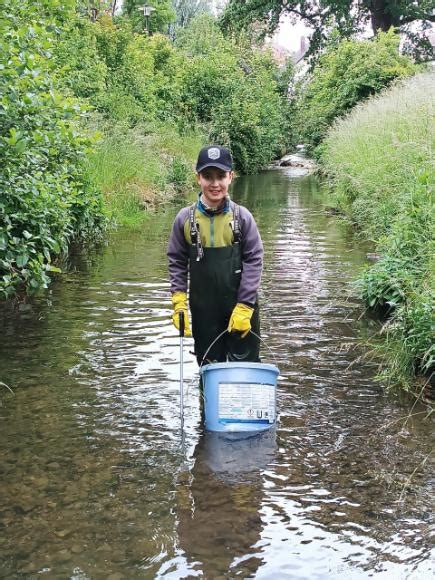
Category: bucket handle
[226,330]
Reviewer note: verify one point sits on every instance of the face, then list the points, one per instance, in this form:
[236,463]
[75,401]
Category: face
[214,184]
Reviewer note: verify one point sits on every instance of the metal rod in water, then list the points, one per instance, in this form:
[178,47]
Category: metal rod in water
[181,384]
[181,320]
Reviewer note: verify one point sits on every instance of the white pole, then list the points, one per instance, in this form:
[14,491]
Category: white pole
[181,315]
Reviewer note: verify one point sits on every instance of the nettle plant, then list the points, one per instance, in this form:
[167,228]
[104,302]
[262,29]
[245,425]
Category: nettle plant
[45,199]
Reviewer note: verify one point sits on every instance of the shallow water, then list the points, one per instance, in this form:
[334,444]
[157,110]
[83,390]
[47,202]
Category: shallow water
[96,480]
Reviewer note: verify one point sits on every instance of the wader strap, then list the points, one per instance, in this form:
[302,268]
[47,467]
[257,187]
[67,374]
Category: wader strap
[194,233]
[236,224]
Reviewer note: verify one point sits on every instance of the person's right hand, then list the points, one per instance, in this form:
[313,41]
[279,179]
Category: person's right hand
[240,320]
[179,303]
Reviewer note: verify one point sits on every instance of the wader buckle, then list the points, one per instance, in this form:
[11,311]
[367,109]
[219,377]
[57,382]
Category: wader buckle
[194,234]
[235,224]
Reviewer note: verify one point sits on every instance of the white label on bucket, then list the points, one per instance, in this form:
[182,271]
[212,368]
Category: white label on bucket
[247,402]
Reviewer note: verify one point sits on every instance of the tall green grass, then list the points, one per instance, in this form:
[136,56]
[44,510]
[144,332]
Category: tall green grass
[138,169]
[379,160]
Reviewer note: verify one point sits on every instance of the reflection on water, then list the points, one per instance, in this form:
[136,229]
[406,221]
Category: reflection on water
[218,510]
[236,456]
[97,481]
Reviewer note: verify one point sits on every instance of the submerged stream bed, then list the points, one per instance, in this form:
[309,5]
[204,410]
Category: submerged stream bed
[96,481]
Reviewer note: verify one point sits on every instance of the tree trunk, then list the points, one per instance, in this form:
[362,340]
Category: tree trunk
[381,16]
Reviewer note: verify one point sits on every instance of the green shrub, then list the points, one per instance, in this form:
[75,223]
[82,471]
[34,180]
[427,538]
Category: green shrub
[210,72]
[346,74]
[46,200]
[79,66]
[407,344]
[128,77]
[168,65]
[236,91]
[249,121]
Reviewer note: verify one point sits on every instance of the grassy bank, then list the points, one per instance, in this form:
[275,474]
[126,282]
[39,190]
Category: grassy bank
[137,169]
[379,161]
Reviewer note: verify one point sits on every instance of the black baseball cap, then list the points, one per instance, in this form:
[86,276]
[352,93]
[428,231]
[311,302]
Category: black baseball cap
[214,156]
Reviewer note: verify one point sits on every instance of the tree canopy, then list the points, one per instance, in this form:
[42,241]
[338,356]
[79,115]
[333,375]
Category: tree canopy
[345,16]
[185,10]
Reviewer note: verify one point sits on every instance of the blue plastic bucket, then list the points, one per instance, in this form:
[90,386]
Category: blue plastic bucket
[239,396]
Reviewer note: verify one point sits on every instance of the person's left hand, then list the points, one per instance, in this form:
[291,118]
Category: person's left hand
[240,320]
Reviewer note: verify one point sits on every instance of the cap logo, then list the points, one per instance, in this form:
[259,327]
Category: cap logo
[214,153]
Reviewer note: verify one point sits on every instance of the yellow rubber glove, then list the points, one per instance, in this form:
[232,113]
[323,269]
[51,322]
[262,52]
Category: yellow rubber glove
[240,320]
[179,302]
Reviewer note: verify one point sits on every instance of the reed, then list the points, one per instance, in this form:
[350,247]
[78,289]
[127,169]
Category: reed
[379,160]
[138,169]
[375,155]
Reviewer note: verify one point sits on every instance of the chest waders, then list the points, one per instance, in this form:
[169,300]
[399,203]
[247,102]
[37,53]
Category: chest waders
[215,275]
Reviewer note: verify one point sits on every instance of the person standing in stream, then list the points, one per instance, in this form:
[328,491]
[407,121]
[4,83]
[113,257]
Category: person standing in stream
[216,245]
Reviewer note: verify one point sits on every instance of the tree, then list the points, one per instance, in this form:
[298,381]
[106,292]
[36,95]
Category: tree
[188,9]
[94,8]
[345,75]
[345,16]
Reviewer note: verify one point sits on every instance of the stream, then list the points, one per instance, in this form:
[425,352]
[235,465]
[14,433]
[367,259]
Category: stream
[97,481]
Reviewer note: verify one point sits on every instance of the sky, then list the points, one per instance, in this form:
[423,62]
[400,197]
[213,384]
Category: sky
[289,35]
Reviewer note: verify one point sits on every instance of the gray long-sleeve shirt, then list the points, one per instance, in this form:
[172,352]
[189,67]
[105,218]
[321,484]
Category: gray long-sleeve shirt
[251,246]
